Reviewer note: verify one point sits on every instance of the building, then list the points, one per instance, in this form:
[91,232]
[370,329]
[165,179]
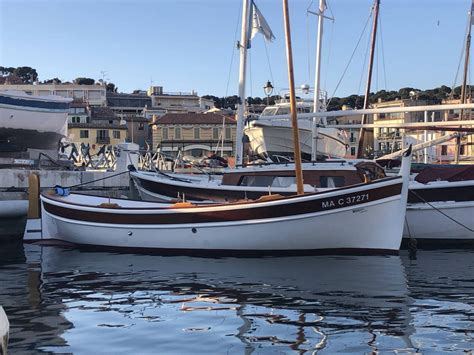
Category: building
[195,134]
[131,109]
[353,133]
[96,126]
[388,140]
[176,102]
[93,95]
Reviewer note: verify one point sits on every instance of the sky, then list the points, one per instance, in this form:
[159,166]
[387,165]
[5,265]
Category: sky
[186,45]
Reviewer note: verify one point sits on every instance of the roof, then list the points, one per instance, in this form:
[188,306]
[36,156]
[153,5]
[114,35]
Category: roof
[192,118]
[103,112]
[96,125]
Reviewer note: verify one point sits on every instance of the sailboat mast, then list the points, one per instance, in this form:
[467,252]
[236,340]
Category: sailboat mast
[360,147]
[294,121]
[317,80]
[464,80]
[243,45]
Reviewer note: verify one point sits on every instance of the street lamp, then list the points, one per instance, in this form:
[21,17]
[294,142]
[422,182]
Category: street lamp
[268,88]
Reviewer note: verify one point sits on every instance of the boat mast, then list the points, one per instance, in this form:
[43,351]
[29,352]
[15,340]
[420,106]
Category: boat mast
[294,121]
[317,80]
[242,45]
[360,147]
[464,80]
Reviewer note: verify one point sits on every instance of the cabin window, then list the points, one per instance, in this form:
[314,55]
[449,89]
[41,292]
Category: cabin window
[215,133]
[264,181]
[332,181]
[84,133]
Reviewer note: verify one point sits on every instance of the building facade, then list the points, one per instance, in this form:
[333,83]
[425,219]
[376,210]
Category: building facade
[194,134]
[175,102]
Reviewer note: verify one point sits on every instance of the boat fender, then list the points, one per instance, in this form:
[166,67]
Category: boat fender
[61,191]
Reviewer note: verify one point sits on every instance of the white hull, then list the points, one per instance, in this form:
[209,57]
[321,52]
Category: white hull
[277,139]
[218,229]
[425,222]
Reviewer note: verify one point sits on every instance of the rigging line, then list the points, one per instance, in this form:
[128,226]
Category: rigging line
[350,59]
[308,45]
[329,49]
[383,53]
[233,54]
[268,59]
[438,210]
[363,69]
[460,58]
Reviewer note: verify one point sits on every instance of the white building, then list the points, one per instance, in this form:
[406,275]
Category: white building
[93,95]
[176,102]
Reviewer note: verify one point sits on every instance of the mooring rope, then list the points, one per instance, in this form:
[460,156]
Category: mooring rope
[444,214]
[105,178]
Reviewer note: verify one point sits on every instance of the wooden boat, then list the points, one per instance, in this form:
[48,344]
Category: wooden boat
[253,181]
[441,204]
[366,217]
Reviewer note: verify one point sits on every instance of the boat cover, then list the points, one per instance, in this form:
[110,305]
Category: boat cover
[446,173]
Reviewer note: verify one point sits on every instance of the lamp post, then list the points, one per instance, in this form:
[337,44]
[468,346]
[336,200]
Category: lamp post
[268,88]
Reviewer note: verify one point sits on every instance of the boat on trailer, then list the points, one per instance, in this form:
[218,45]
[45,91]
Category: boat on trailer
[362,218]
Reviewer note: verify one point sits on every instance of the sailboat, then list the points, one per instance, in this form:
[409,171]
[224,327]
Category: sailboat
[299,224]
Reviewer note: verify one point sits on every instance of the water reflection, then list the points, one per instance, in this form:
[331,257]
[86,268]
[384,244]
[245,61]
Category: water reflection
[62,300]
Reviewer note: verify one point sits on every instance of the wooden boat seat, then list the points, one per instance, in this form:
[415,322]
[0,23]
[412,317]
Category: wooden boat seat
[182,205]
[269,198]
[108,205]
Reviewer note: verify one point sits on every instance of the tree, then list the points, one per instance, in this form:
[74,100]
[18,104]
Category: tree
[52,81]
[110,87]
[84,81]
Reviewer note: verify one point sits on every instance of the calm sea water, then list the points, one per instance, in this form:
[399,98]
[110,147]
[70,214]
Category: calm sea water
[68,301]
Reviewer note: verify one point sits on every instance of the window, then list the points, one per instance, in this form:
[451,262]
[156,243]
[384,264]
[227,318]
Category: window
[444,150]
[353,151]
[141,126]
[462,149]
[197,133]
[102,133]
[94,94]
[165,132]
[228,133]
[84,133]
[177,133]
[332,181]
[75,119]
[215,133]
[264,181]
[116,134]
[78,94]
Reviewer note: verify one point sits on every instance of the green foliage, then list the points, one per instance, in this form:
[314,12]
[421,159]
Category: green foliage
[84,81]
[52,81]
[27,75]
[111,87]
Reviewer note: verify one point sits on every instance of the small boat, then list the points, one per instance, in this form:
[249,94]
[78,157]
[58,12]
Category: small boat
[253,181]
[366,217]
[441,204]
[31,122]
[4,330]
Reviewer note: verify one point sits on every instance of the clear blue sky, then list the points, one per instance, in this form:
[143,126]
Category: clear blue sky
[186,45]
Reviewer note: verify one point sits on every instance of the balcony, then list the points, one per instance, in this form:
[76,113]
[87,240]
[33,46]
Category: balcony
[103,140]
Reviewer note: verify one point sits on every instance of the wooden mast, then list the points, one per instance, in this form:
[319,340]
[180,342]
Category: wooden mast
[294,121]
[360,147]
[464,80]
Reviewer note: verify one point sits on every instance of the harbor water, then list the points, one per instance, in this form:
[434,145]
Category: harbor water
[69,301]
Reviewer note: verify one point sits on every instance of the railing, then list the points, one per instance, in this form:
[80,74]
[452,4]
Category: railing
[103,140]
